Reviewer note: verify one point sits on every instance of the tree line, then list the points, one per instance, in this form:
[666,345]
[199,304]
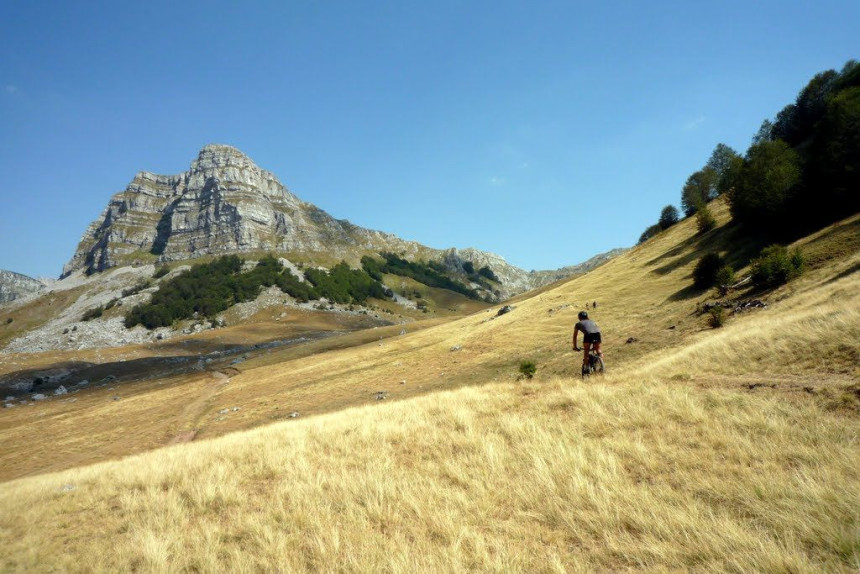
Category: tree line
[210,288]
[801,172]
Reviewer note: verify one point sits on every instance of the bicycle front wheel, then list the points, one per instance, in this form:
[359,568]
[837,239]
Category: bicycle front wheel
[597,365]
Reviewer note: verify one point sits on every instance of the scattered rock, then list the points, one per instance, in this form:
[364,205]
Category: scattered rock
[25,386]
[8,405]
[68,487]
[38,397]
[293,414]
[61,390]
[672,327]
[235,409]
[750,305]
[631,340]
[504,310]
[456,348]
[82,383]
[403,382]
[381,395]
[223,411]
[116,398]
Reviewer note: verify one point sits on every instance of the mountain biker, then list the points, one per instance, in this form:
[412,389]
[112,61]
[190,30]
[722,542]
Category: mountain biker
[590,336]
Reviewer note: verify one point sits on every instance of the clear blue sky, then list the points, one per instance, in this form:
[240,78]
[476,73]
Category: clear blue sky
[542,131]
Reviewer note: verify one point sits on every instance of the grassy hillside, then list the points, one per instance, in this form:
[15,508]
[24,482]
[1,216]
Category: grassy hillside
[714,450]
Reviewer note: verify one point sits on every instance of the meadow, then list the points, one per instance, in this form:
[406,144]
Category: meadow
[717,450]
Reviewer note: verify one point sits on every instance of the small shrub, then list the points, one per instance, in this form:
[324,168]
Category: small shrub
[9,320]
[725,278]
[136,289]
[716,317]
[528,368]
[488,273]
[94,313]
[776,266]
[649,233]
[110,304]
[705,220]
[160,272]
[705,273]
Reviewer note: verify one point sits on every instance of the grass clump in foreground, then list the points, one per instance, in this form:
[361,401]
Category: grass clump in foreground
[614,476]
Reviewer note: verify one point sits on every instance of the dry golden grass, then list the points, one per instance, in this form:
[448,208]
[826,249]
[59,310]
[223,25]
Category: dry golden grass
[670,462]
[557,476]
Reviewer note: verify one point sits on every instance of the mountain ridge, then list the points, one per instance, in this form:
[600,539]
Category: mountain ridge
[225,203]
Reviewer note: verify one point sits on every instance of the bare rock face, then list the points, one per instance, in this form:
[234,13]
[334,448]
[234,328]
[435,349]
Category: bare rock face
[14,286]
[224,204]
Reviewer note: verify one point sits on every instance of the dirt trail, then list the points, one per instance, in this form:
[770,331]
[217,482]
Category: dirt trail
[188,420]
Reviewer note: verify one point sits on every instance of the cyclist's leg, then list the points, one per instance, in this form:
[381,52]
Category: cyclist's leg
[587,346]
[598,350]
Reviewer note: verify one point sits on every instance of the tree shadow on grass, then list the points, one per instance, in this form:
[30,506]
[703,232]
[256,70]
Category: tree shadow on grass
[738,245]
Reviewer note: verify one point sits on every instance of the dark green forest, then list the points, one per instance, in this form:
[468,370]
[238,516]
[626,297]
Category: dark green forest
[801,172]
[431,274]
[210,288]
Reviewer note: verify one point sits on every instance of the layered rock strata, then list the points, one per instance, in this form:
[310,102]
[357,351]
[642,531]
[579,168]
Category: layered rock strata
[224,204]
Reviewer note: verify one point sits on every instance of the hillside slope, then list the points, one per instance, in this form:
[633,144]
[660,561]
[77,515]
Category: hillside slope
[712,450]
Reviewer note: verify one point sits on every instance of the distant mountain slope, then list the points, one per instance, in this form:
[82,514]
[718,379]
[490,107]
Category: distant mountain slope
[14,286]
[226,204]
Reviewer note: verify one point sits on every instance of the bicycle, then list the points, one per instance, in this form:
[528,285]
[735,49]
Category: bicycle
[594,364]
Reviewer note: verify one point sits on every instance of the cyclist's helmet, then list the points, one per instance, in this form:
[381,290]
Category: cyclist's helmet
[583,315]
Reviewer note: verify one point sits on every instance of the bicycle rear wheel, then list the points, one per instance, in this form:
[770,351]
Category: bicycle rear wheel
[596,365]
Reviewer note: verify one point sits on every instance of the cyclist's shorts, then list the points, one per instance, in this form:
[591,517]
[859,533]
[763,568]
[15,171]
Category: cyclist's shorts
[592,338]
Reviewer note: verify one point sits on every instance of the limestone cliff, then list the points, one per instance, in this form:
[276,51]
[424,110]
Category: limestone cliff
[225,204]
[14,286]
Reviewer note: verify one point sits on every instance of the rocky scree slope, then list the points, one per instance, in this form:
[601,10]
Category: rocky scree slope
[15,286]
[226,204]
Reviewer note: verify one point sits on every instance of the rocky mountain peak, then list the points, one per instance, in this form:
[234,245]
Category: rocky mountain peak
[214,157]
[224,203]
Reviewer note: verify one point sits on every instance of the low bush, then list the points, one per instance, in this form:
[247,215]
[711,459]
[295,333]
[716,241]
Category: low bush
[528,368]
[705,272]
[160,272]
[716,317]
[488,273]
[724,279]
[94,313]
[649,233]
[705,220]
[136,289]
[776,265]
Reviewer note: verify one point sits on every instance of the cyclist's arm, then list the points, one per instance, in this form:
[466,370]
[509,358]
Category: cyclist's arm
[575,333]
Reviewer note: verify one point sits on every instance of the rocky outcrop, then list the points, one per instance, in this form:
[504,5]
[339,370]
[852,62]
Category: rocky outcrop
[223,204]
[15,286]
[539,278]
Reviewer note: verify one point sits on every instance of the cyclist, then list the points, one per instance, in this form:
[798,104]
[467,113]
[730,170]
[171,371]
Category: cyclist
[590,336]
